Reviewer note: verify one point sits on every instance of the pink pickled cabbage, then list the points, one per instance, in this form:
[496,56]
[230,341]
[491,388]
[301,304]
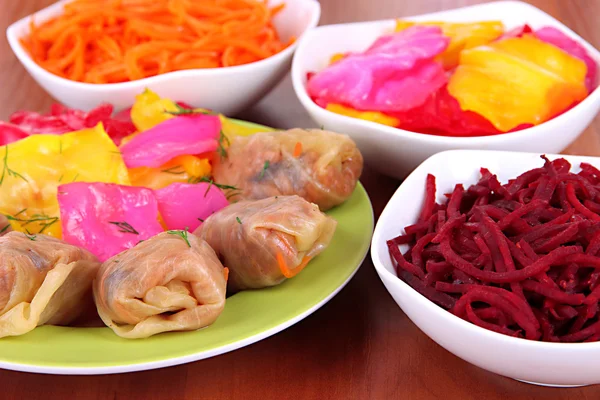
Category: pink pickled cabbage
[62,119]
[395,74]
[107,219]
[10,133]
[184,205]
[555,37]
[190,134]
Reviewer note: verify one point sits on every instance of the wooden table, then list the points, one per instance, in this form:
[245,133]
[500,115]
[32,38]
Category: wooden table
[358,346]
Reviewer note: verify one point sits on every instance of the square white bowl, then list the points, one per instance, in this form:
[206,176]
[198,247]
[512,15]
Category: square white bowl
[227,90]
[552,364]
[395,152]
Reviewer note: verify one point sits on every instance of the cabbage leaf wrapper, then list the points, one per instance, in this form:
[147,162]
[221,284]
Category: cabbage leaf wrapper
[317,165]
[263,242]
[43,281]
[170,282]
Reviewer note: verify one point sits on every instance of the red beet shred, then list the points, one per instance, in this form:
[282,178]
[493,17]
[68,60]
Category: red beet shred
[520,259]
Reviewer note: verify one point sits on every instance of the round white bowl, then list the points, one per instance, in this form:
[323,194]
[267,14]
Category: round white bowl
[543,363]
[395,152]
[227,90]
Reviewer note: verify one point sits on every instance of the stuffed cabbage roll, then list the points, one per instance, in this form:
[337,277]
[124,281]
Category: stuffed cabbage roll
[4,225]
[320,166]
[170,282]
[43,280]
[263,242]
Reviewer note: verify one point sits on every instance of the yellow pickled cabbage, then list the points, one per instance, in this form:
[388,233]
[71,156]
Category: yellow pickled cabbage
[462,36]
[518,81]
[34,167]
[182,169]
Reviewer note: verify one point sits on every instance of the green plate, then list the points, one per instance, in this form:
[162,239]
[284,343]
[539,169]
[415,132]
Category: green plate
[248,316]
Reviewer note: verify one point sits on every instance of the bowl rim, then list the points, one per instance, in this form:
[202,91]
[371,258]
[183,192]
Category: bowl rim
[299,84]
[55,9]
[446,316]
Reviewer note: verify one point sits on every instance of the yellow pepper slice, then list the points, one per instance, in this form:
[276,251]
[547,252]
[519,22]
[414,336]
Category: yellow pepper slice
[34,167]
[463,36]
[374,116]
[181,169]
[518,81]
[232,128]
[149,110]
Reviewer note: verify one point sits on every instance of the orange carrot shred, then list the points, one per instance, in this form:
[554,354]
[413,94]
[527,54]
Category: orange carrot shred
[297,149]
[100,41]
[226,273]
[286,271]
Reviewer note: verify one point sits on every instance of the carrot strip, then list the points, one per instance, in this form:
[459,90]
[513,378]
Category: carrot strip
[226,273]
[286,271]
[297,149]
[110,47]
[277,9]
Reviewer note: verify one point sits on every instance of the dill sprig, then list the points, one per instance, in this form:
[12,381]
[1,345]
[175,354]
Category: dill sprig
[186,111]
[44,220]
[238,220]
[7,170]
[124,227]
[48,224]
[264,169]
[4,229]
[182,234]
[220,186]
[206,179]
[221,148]
[176,170]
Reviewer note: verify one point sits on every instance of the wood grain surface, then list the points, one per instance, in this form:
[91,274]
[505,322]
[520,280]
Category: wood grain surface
[360,345]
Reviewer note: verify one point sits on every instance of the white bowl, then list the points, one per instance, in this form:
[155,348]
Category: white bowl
[395,152]
[228,90]
[552,364]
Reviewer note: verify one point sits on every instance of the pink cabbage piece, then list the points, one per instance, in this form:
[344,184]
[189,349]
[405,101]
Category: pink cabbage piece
[62,119]
[184,205]
[10,133]
[189,134]
[555,37]
[395,74]
[107,219]
[52,123]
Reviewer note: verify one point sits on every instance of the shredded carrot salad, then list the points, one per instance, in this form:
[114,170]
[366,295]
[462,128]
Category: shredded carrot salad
[110,41]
